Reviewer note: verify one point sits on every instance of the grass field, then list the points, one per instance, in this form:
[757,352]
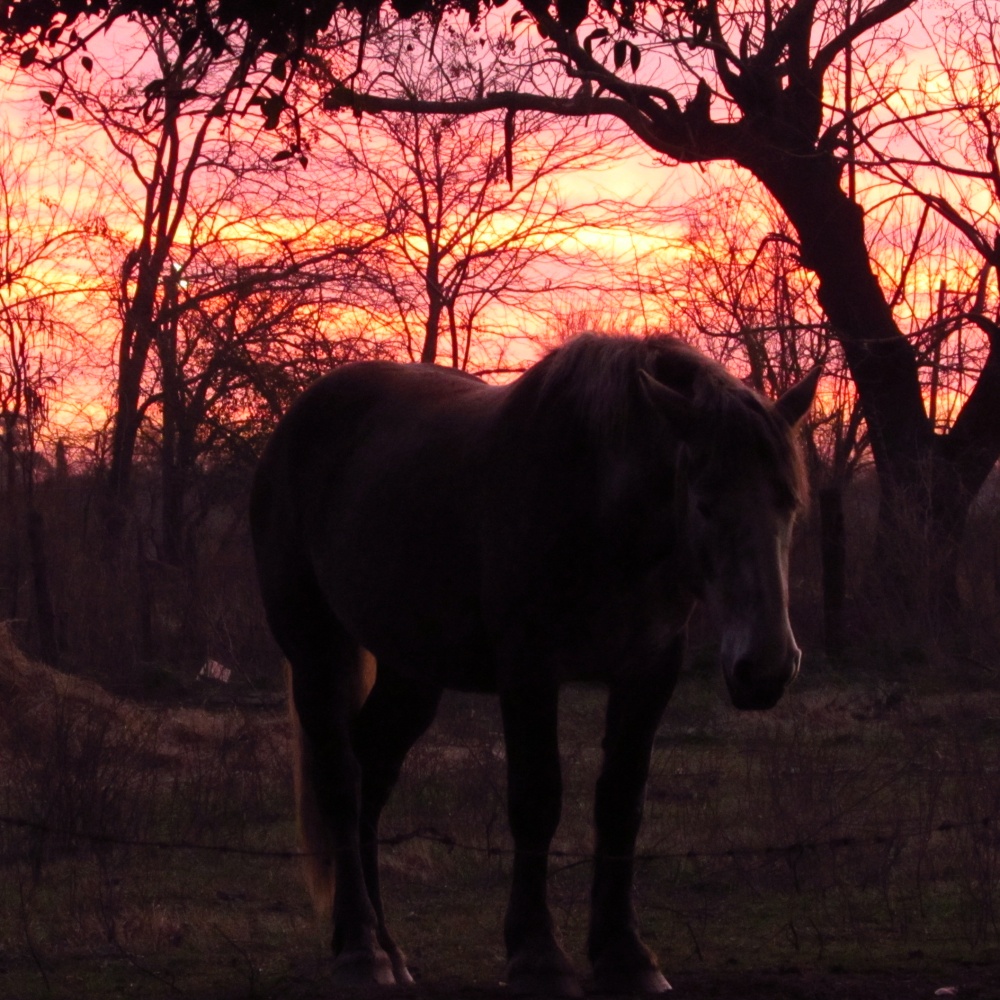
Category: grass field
[853,832]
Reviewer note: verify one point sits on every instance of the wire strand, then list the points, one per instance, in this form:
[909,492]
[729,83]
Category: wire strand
[433,835]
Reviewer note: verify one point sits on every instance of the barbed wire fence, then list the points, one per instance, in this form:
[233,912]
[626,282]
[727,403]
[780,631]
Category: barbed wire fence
[913,828]
[835,844]
[29,843]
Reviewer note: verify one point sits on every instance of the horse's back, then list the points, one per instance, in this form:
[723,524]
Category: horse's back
[371,484]
[361,416]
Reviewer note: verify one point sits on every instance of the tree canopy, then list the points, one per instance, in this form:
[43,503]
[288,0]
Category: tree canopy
[279,28]
[805,96]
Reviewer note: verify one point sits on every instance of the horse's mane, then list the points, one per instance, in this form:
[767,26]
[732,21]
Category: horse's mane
[598,377]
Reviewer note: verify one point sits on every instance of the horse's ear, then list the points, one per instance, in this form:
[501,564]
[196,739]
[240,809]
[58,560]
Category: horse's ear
[678,409]
[795,402]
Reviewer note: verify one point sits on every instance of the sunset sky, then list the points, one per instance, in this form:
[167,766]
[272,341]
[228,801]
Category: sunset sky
[72,177]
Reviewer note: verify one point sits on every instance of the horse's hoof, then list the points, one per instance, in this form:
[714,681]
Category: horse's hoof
[364,968]
[396,958]
[625,965]
[646,982]
[402,974]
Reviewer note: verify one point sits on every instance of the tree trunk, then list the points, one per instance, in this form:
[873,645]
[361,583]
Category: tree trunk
[435,311]
[833,553]
[10,557]
[923,499]
[138,331]
[171,469]
[48,638]
[882,361]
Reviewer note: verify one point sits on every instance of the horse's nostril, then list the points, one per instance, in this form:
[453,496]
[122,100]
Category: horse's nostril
[752,688]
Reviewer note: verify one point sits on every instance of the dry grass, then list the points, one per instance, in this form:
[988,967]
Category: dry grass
[845,830]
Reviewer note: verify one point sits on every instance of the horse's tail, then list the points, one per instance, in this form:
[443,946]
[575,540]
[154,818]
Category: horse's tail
[314,837]
[314,834]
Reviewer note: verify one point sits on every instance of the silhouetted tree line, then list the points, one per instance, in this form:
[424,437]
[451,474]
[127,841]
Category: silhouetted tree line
[872,258]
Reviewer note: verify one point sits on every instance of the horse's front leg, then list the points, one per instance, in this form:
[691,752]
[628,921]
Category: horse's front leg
[622,963]
[536,962]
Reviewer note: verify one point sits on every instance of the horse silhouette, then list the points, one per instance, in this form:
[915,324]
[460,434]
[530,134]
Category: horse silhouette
[510,539]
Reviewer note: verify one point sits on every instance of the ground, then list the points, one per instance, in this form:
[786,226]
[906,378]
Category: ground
[970,984]
[844,847]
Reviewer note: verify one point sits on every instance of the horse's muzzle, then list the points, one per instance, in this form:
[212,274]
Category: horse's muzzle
[753,688]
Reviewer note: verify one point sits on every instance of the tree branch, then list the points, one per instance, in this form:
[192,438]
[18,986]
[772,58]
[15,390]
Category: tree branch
[688,135]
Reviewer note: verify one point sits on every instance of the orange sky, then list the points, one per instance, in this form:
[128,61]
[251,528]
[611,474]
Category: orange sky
[636,178]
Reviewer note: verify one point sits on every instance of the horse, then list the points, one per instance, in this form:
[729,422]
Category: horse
[417,529]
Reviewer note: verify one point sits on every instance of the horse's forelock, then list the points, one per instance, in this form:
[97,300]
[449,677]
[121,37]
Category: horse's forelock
[736,420]
[599,375]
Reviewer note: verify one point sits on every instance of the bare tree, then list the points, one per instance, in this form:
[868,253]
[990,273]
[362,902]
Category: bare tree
[480,221]
[168,130]
[194,189]
[237,337]
[38,237]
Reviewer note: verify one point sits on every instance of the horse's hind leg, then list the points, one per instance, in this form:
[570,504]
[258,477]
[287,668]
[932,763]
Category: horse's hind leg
[396,714]
[325,679]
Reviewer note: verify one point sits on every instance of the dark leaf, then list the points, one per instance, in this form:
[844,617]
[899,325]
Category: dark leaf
[279,68]
[48,99]
[272,109]
[621,51]
[518,17]
[284,154]
[593,37]
[187,40]
[28,57]
[635,58]
[65,112]
[88,63]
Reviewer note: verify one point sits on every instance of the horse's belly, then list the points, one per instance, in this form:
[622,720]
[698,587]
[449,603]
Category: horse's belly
[439,640]
[456,666]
